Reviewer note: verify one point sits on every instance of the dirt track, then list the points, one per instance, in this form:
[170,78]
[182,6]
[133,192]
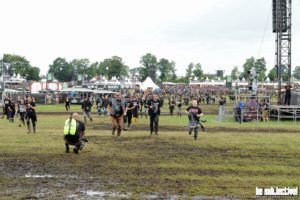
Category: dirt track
[237,129]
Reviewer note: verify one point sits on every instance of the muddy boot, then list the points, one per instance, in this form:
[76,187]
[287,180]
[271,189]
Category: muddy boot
[202,127]
[75,150]
[67,148]
[119,133]
[29,129]
[113,132]
[91,119]
[85,120]
[34,129]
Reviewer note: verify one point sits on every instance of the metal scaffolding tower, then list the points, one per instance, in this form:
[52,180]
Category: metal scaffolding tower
[282,26]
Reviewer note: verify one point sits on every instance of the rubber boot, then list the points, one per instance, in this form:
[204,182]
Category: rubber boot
[29,129]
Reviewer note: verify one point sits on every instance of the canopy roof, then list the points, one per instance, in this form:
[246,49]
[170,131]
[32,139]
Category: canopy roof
[148,83]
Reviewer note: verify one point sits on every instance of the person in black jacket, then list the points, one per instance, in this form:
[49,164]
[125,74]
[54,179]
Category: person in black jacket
[194,113]
[288,94]
[154,112]
[7,105]
[86,107]
[30,114]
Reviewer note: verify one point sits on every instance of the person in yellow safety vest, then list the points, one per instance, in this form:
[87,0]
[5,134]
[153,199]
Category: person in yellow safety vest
[74,133]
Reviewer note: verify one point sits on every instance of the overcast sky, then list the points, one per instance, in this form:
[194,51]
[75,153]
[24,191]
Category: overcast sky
[219,34]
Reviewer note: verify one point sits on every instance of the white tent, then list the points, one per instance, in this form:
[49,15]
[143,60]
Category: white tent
[148,83]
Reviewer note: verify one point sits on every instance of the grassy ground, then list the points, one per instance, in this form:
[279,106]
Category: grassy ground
[228,160]
[76,108]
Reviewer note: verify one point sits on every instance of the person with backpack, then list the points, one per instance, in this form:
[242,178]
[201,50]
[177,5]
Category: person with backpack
[74,133]
[117,109]
[194,113]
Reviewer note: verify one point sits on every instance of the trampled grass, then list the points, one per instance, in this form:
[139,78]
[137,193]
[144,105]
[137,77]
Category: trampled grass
[221,162]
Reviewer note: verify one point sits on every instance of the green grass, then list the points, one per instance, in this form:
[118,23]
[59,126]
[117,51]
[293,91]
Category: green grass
[220,163]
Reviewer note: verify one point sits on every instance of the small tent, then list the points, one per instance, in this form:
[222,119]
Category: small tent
[148,83]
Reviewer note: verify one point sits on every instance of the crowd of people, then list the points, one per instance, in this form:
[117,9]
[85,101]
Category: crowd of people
[124,110]
[24,108]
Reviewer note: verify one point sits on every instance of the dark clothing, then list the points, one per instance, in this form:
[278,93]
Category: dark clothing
[86,106]
[154,108]
[154,119]
[80,127]
[154,112]
[194,111]
[129,105]
[67,104]
[30,115]
[7,103]
[135,110]
[117,107]
[147,103]
[75,139]
[30,112]
[105,103]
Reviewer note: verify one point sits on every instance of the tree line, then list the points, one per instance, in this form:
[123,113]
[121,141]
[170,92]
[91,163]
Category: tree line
[66,71]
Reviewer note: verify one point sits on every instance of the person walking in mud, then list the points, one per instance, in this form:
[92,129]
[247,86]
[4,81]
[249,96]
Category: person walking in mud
[194,113]
[7,104]
[21,110]
[67,103]
[128,117]
[179,106]
[154,112]
[31,114]
[146,103]
[105,104]
[117,109]
[86,107]
[172,104]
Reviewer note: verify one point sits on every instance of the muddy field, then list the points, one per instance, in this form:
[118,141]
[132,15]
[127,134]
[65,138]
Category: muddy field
[225,163]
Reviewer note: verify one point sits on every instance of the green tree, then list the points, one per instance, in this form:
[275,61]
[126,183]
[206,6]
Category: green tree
[258,64]
[189,71]
[148,62]
[198,72]
[33,74]
[92,70]
[19,65]
[273,74]
[80,65]
[113,67]
[234,73]
[296,73]
[167,70]
[62,70]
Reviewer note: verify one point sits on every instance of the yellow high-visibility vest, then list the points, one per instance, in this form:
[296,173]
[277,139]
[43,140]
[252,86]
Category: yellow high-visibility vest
[70,127]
